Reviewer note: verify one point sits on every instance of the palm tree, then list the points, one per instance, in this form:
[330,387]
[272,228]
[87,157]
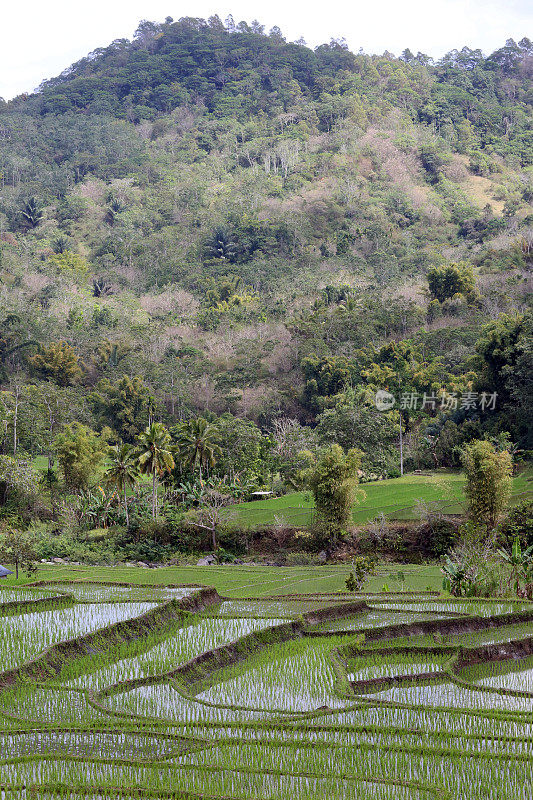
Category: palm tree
[221,245]
[197,444]
[31,213]
[154,456]
[123,471]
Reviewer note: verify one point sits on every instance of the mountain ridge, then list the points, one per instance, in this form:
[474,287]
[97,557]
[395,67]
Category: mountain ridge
[217,221]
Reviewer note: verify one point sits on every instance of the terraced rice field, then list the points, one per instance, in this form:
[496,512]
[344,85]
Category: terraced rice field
[175,692]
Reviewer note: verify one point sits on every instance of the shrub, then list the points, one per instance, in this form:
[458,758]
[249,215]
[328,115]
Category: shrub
[18,483]
[333,480]
[362,567]
[97,534]
[488,481]
[48,545]
[519,523]
[439,536]
[233,539]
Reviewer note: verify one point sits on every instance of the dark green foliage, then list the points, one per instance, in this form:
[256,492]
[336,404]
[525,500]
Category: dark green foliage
[440,536]
[244,238]
[238,72]
[31,213]
[221,246]
[498,350]
[432,161]
[245,452]
[18,485]
[124,406]
[12,341]
[458,579]
[351,583]
[519,523]
[353,422]
[446,281]
[197,445]
[326,376]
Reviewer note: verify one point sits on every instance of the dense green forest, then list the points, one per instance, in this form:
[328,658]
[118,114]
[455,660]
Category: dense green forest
[244,239]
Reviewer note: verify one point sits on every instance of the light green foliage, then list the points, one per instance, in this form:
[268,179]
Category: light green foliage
[80,452]
[333,480]
[488,481]
[58,362]
[69,264]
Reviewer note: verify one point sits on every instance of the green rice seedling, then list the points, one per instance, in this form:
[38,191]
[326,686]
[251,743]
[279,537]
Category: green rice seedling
[186,643]
[244,701]
[24,637]
[98,593]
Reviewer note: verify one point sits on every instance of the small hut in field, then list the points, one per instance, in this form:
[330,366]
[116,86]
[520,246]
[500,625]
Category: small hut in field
[4,572]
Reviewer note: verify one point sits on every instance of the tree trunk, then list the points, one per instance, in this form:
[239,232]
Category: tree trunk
[17,570]
[214,538]
[401,445]
[126,507]
[154,495]
[15,419]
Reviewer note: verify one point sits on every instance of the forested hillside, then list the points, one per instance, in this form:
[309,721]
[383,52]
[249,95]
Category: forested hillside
[209,221]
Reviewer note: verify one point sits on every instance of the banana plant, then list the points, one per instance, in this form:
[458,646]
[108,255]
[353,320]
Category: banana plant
[93,506]
[457,580]
[520,562]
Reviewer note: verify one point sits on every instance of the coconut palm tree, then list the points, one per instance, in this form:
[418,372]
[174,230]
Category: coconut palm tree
[197,444]
[154,456]
[122,471]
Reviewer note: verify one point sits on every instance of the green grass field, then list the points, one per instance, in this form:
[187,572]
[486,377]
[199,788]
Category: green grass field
[244,581]
[396,498]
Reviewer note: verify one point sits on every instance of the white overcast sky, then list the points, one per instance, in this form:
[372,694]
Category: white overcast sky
[39,39]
